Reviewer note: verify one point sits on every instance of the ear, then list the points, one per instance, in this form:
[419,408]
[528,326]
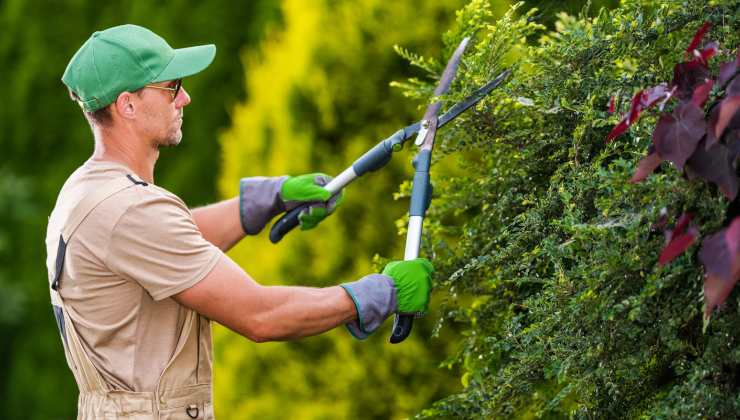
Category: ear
[125,105]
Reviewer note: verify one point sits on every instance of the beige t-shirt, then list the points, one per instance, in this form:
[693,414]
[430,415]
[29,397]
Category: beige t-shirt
[125,261]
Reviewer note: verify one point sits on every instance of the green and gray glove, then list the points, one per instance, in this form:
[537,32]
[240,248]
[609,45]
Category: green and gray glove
[262,198]
[403,288]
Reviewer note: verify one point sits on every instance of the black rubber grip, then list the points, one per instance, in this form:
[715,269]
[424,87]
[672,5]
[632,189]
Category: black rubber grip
[402,325]
[285,224]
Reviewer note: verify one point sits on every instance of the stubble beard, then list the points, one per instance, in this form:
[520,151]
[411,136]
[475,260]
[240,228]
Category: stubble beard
[172,140]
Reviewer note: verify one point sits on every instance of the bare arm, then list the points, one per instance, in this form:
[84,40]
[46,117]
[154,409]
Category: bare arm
[219,223]
[266,313]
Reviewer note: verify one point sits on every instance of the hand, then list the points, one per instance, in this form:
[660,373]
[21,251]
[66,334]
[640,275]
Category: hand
[413,281]
[403,288]
[262,198]
[308,188]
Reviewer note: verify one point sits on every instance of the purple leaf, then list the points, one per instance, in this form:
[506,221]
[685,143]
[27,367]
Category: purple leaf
[651,96]
[682,223]
[698,36]
[733,144]
[676,135]
[678,245]
[646,166]
[707,52]
[642,100]
[733,89]
[612,106]
[687,76]
[721,265]
[732,237]
[716,257]
[728,117]
[715,166]
[716,290]
[712,127]
[618,130]
[701,93]
[727,71]
[632,115]
[635,108]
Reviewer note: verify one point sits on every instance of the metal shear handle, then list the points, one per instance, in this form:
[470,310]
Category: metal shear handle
[421,192]
[380,155]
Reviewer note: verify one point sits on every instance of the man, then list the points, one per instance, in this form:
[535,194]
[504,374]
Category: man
[136,276]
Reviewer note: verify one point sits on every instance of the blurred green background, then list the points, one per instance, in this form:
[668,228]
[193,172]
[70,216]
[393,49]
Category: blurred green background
[295,87]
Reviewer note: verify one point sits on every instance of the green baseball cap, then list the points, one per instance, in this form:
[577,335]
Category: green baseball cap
[126,58]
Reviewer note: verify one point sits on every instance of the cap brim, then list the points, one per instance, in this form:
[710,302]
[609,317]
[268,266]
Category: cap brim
[187,62]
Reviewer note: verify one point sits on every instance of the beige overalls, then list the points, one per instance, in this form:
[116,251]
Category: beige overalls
[184,387]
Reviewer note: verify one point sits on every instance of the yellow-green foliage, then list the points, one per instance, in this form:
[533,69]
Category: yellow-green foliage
[319,95]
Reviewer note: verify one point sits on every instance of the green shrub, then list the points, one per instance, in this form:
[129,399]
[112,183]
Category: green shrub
[544,251]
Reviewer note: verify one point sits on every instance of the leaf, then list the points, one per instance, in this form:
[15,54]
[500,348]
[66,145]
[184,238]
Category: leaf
[687,76]
[698,36]
[733,89]
[651,96]
[635,108]
[712,125]
[721,260]
[716,257]
[728,117]
[732,237]
[706,53]
[715,166]
[676,135]
[641,100]
[618,130]
[646,166]
[701,93]
[716,290]
[679,241]
[683,222]
[678,245]
[728,70]
[612,107]
[733,145]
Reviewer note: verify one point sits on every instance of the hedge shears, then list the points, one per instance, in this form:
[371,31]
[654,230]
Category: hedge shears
[378,156]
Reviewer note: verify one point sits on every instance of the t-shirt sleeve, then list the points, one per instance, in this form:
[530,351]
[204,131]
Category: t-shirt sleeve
[157,244]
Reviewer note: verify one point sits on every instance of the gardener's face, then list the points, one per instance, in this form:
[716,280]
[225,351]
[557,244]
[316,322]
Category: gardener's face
[162,113]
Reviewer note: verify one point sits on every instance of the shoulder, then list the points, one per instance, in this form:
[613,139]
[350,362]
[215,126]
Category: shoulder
[139,208]
[149,198]
[148,210]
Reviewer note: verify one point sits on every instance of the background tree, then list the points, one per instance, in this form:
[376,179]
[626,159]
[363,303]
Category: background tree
[319,97]
[45,137]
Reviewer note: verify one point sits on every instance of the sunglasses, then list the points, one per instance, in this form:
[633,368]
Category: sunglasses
[174,90]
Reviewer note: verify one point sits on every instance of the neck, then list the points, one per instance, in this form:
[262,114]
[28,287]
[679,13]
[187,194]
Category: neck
[125,147]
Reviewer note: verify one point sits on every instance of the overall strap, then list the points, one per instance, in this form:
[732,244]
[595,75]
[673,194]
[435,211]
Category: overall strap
[87,377]
[80,212]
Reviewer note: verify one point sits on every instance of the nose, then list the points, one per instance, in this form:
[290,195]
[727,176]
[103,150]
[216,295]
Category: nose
[182,99]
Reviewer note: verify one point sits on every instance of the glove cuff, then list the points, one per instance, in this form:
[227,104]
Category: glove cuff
[375,299]
[259,201]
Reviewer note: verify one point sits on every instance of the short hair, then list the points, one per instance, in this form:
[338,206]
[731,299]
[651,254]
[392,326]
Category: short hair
[101,117]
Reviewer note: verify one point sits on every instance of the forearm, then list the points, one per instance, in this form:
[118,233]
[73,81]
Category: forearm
[266,313]
[219,223]
[297,312]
